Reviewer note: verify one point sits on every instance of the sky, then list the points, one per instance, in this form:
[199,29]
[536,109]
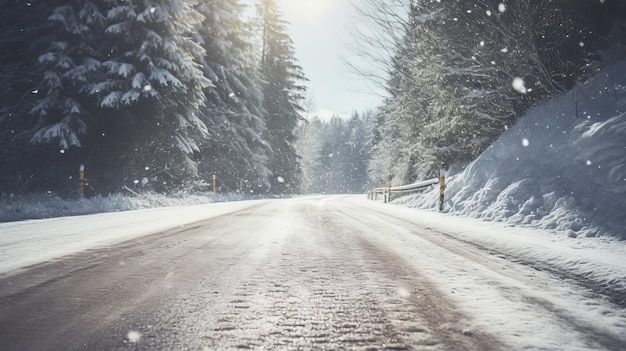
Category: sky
[320,31]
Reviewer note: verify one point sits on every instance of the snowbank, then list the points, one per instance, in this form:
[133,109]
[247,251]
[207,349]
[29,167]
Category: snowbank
[39,206]
[562,166]
[32,242]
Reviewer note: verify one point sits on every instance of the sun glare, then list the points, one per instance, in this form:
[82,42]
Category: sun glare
[303,10]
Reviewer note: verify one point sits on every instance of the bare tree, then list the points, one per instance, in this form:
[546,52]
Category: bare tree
[377,31]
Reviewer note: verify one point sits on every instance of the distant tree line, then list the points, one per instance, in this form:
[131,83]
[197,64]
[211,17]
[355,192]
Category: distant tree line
[461,72]
[335,154]
[147,94]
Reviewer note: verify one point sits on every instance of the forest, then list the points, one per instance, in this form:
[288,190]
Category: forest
[160,95]
[459,73]
[152,95]
[335,154]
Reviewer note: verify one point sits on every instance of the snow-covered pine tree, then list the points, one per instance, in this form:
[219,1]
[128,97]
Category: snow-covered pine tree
[67,68]
[381,146]
[414,100]
[334,155]
[357,155]
[152,88]
[234,115]
[308,146]
[282,94]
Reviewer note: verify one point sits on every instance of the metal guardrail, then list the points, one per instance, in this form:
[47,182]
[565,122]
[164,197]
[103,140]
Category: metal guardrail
[388,191]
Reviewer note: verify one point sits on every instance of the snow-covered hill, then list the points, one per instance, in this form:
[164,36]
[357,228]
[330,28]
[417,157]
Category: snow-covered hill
[562,166]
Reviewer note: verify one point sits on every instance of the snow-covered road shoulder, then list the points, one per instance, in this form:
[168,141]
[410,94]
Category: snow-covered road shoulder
[35,241]
[598,260]
[534,289]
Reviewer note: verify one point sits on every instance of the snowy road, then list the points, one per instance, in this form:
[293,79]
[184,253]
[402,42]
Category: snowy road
[309,273]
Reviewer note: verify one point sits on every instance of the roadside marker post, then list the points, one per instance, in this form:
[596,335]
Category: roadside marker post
[81,180]
[442,188]
[388,193]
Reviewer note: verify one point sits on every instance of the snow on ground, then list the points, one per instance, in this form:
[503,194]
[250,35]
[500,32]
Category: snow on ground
[530,306]
[562,166]
[31,242]
[599,259]
[474,262]
[37,206]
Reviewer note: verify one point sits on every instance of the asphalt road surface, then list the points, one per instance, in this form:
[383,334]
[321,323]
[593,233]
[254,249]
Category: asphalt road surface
[289,274]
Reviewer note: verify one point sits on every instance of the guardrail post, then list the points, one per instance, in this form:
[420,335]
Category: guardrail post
[442,188]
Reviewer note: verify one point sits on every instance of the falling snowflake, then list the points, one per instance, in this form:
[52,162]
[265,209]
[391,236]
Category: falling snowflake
[133,336]
[280,179]
[504,50]
[525,142]
[488,13]
[501,7]
[588,163]
[519,85]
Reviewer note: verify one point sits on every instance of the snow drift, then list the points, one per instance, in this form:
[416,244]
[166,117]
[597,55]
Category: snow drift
[562,166]
[39,206]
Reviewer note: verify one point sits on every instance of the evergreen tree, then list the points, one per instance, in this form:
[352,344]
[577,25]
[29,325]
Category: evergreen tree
[415,100]
[334,156]
[308,146]
[282,95]
[152,90]
[67,67]
[236,148]
[56,47]
[358,155]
